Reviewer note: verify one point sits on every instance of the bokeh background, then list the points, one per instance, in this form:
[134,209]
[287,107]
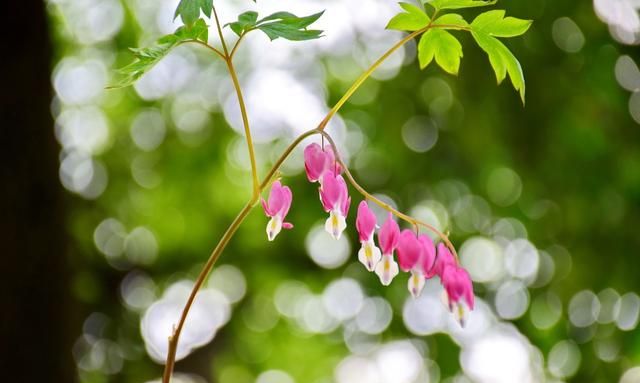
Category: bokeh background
[542,201]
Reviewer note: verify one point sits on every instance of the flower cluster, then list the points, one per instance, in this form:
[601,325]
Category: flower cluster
[416,253]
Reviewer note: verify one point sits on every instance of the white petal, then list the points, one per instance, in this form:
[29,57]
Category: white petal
[387,269]
[369,255]
[335,224]
[273,227]
[416,283]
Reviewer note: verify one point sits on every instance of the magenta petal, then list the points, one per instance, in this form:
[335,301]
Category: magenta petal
[443,258]
[457,283]
[280,198]
[365,221]
[409,250]
[266,209]
[316,162]
[428,253]
[287,225]
[333,191]
[388,235]
[346,204]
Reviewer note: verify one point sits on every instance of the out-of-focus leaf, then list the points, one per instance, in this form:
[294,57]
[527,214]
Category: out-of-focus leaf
[443,46]
[413,19]
[459,4]
[495,24]
[189,10]
[146,58]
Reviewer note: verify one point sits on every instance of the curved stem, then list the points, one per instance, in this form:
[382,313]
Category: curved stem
[222,56]
[247,130]
[360,80]
[386,206]
[224,44]
[215,254]
[243,109]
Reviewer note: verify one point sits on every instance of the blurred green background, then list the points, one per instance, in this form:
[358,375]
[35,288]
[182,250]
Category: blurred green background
[542,201]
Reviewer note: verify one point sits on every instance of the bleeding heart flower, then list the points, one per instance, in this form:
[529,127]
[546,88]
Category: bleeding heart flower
[369,255]
[277,208]
[335,200]
[457,284]
[318,161]
[388,237]
[443,258]
[416,255]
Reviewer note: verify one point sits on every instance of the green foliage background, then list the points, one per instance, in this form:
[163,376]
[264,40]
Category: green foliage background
[574,146]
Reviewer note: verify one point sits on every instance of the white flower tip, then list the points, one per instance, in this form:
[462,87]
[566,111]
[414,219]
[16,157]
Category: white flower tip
[273,228]
[416,283]
[369,255]
[386,269]
[335,225]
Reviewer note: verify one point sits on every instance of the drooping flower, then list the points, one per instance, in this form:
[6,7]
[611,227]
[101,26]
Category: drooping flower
[458,286]
[335,200]
[318,161]
[369,255]
[388,237]
[443,258]
[416,255]
[277,208]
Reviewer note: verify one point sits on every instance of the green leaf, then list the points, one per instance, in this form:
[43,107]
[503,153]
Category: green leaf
[189,10]
[289,26]
[198,31]
[453,19]
[147,58]
[459,4]
[502,60]
[412,20]
[246,21]
[495,24]
[441,45]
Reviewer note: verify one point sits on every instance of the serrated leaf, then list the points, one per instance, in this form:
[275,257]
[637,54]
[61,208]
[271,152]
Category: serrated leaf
[276,30]
[289,26]
[452,19]
[443,46]
[495,24]
[198,31]
[459,4]
[246,21]
[147,58]
[413,19]
[189,10]
[502,60]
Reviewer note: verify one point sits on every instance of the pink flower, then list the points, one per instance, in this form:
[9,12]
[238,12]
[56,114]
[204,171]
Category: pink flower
[277,208]
[318,161]
[457,284]
[416,255]
[443,258]
[369,255]
[335,200]
[388,237]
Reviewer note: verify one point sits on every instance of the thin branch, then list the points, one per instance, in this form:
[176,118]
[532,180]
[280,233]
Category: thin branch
[216,51]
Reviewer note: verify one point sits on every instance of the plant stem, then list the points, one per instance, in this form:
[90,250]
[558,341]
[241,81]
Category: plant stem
[247,131]
[243,110]
[215,254]
[360,80]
